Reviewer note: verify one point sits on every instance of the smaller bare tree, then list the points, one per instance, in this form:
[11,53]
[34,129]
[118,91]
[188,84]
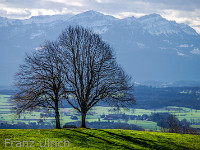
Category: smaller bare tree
[174,124]
[39,81]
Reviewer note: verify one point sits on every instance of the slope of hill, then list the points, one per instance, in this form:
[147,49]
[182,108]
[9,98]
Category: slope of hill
[97,139]
[149,47]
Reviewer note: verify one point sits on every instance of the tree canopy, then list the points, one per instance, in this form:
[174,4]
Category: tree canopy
[80,68]
[92,72]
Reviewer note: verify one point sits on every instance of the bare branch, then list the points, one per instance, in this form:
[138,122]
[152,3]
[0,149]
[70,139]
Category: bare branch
[91,70]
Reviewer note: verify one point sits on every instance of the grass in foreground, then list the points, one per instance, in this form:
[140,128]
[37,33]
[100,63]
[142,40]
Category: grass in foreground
[98,139]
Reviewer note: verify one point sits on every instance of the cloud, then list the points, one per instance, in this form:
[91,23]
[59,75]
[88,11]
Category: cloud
[106,1]
[192,18]
[12,12]
[175,4]
[78,3]
[195,51]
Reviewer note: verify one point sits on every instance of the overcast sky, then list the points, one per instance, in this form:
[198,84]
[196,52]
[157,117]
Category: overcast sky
[182,11]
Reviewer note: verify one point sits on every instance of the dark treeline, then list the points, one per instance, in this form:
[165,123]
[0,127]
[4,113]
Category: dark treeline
[97,125]
[170,122]
[108,125]
[6,92]
[31,125]
[151,97]
[164,120]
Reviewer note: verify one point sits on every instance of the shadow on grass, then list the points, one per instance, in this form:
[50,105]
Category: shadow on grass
[168,145]
[77,138]
[103,139]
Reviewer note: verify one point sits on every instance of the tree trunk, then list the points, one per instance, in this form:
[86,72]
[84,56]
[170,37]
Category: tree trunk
[57,120]
[83,116]
[57,116]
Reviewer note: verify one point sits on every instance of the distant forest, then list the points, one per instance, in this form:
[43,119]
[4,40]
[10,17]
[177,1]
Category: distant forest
[151,97]
[148,97]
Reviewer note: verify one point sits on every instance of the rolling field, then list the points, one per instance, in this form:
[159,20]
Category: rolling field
[94,139]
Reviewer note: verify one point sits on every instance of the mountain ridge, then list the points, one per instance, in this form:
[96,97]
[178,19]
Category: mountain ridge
[90,13]
[147,49]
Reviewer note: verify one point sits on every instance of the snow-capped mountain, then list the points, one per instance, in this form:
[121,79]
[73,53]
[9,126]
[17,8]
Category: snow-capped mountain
[46,19]
[98,22]
[156,25]
[149,47]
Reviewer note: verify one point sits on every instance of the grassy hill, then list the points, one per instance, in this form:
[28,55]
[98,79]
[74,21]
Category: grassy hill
[96,139]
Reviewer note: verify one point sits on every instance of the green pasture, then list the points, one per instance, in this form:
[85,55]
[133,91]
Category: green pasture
[192,115]
[96,139]
[149,125]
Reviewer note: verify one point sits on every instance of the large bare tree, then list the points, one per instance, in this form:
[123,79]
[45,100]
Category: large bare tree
[91,72]
[39,81]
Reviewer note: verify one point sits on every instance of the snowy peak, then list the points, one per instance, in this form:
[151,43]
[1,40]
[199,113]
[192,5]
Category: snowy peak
[98,21]
[154,17]
[44,19]
[95,15]
[155,24]
[93,18]
[47,19]
[129,20]
[90,13]
[187,29]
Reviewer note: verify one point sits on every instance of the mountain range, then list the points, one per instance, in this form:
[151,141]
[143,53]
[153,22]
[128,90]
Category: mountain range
[148,48]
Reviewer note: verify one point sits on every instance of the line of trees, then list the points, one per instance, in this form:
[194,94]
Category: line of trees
[80,68]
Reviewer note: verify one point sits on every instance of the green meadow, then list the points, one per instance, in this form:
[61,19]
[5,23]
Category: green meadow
[94,139]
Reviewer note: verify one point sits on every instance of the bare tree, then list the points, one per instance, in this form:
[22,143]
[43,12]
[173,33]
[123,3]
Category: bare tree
[174,124]
[39,81]
[91,71]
